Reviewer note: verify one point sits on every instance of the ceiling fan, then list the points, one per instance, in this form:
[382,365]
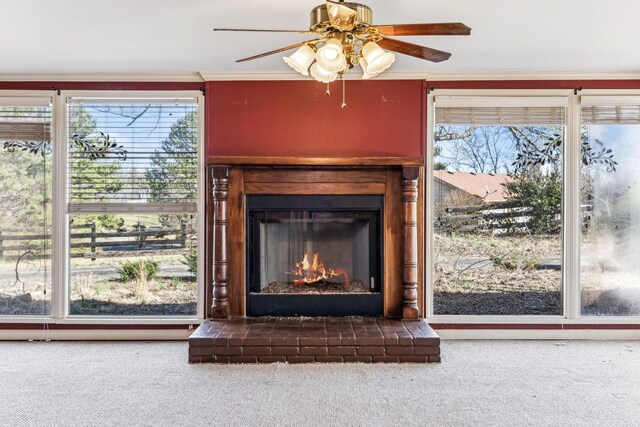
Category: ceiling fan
[346,37]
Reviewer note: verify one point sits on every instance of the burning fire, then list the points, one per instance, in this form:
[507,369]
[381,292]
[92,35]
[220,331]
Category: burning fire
[316,271]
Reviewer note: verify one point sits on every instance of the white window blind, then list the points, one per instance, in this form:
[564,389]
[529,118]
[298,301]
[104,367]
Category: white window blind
[132,154]
[500,111]
[611,114]
[25,126]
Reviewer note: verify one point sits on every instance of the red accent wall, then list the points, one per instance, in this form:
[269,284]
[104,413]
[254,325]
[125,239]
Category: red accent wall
[297,119]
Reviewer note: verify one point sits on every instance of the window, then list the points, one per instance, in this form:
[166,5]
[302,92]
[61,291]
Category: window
[610,202]
[25,206]
[132,190]
[497,189]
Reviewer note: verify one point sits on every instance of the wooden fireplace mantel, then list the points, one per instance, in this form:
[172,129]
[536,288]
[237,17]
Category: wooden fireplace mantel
[399,180]
[314,161]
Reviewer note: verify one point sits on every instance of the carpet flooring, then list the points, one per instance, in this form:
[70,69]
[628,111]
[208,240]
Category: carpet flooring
[478,383]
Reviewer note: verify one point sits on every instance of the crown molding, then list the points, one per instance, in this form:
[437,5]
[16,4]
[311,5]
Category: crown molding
[516,75]
[398,75]
[103,77]
[429,76]
[389,75]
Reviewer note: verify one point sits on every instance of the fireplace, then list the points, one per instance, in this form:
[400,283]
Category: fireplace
[314,260]
[314,255]
[356,220]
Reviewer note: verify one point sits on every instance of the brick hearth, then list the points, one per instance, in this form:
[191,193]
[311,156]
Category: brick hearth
[317,339]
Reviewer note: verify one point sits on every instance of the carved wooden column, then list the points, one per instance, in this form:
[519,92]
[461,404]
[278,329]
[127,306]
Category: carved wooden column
[410,177]
[220,178]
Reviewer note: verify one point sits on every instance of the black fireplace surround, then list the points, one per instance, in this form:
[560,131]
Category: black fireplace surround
[310,255]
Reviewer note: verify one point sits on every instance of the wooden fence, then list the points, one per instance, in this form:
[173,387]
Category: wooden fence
[495,218]
[34,243]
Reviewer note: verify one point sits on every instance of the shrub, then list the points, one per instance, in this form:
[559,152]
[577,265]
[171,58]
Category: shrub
[515,262]
[191,260]
[542,195]
[142,270]
[110,222]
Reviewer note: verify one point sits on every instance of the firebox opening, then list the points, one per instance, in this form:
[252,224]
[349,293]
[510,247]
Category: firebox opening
[314,255]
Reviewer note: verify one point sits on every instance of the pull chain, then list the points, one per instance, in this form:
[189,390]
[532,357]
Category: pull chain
[328,89]
[344,97]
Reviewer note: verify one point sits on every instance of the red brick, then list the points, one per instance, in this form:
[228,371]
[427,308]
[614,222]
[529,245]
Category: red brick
[423,350]
[200,341]
[314,341]
[313,351]
[284,351]
[300,359]
[227,351]
[397,350]
[434,359]
[195,359]
[334,340]
[426,341]
[257,351]
[243,359]
[369,340]
[222,359]
[224,341]
[271,359]
[200,350]
[357,359]
[348,340]
[329,359]
[370,351]
[414,359]
[342,351]
[257,341]
[386,359]
[284,341]
[405,340]
[236,341]
[391,340]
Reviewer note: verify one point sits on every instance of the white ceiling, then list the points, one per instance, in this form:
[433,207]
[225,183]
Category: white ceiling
[175,36]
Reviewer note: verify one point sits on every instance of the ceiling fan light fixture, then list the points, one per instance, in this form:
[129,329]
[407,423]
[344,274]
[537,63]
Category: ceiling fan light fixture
[376,58]
[323,75]
[331,56]
[301,59]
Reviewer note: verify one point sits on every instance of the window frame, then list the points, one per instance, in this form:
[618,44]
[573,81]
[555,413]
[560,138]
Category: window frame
[571,289]
[60,260]
[9,98]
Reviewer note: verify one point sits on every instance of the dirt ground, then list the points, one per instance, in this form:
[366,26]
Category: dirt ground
[484,275]
[521,275]
[96,289]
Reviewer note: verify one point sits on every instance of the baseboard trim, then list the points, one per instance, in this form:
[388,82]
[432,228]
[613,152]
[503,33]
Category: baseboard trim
[95,334]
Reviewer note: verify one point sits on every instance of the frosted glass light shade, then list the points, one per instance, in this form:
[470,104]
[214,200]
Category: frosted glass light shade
[365,74]
[322,75]
[301,59]
[330,56]
[377,59]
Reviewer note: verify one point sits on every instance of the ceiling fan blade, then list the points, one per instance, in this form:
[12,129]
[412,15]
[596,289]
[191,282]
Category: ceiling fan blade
[341,17]
[441,29]
[262,31]
[262,55]
[422,52]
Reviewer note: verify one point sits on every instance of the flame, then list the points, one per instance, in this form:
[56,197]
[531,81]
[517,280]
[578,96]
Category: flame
[314,271]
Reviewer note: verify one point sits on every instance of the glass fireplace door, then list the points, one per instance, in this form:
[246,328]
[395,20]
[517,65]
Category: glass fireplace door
[310,255]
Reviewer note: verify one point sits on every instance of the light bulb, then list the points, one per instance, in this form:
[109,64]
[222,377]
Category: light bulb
[331,57]
[322,75]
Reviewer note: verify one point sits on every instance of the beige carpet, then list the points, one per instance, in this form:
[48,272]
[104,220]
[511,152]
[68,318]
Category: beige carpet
[509,383]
